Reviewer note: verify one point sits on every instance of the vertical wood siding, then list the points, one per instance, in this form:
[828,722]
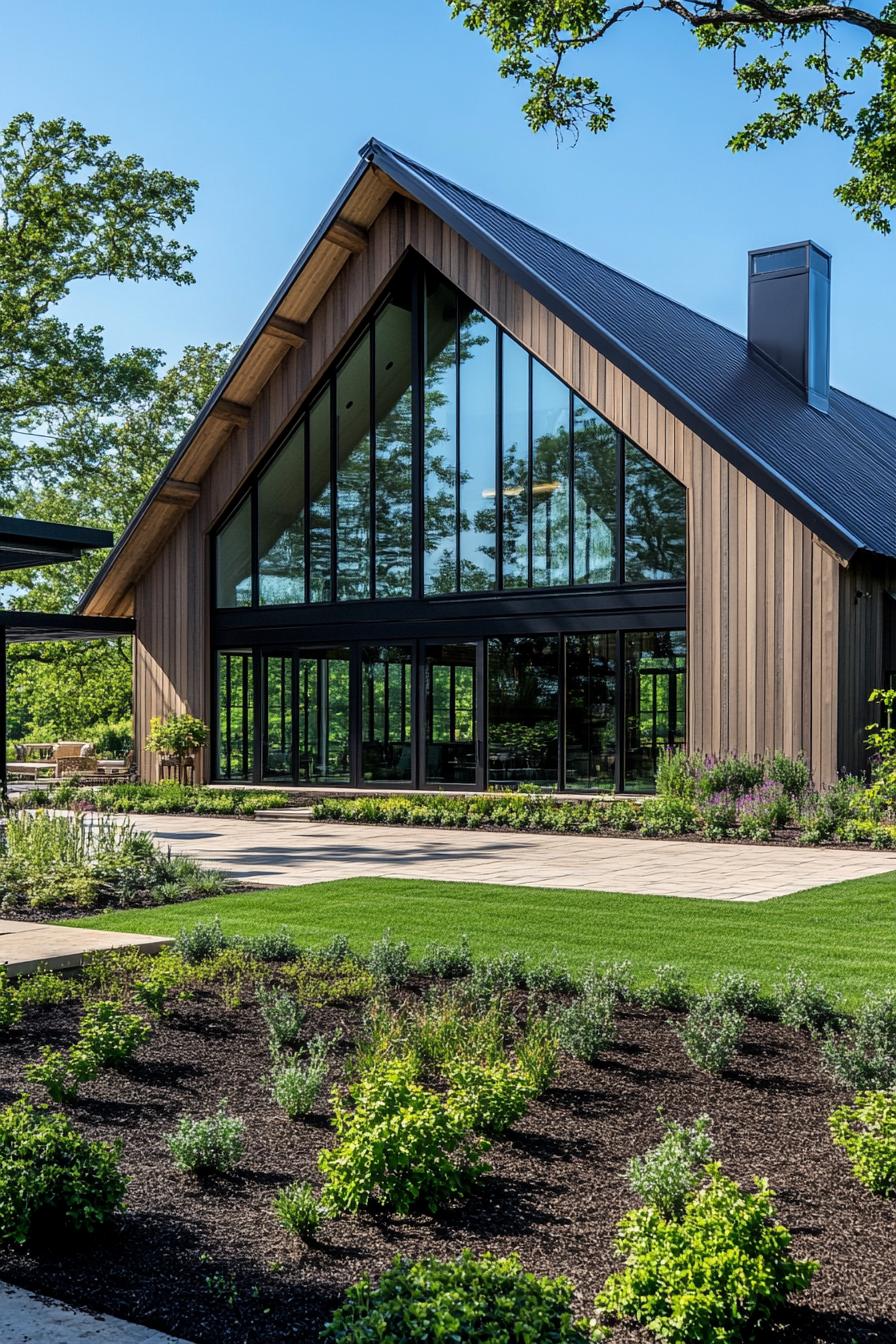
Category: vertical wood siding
[763,597]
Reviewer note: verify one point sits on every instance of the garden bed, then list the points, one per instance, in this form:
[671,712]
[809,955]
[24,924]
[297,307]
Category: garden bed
[207,1260]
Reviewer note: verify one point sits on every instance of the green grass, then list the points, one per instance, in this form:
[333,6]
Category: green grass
[844,935]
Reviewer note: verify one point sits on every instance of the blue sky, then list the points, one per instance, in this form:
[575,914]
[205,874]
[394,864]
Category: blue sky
[267,104]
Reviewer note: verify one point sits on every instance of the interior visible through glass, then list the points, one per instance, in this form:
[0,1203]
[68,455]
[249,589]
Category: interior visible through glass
[323,727]
[523,697]
[386,711]
[655,701]
[591,711]
[277,730]
[451,714]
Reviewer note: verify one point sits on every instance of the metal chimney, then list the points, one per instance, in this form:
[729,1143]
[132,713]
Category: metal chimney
[789,314]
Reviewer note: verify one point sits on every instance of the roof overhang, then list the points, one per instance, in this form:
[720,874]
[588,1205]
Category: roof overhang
[340,234]
[27,544]
[24,627]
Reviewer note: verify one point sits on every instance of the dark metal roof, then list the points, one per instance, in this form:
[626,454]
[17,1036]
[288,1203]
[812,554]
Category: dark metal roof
[834,471]
[26,543]
[22,627]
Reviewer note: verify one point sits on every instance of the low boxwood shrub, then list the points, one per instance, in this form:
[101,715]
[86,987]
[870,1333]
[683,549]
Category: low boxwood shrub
[804,1004]
[586,1027]
[466,1301]
[668,816]
[734,990]
[864,1056]
[667,1175]
[201,941]
[400,1144]
[710,1034]
[108,1037]
[670,989]
[866,1131]
[717,1274]
[488,1096]
[212,1145]
[299,1210]
[51,1177]
[150,799]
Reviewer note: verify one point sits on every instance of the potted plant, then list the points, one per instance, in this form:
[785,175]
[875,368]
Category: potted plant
[180,736]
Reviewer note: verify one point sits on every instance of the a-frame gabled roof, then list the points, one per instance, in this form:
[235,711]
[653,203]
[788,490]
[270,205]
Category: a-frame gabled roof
[834,471]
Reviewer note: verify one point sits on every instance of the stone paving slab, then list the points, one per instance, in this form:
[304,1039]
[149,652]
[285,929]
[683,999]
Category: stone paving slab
[24,946]
[283,853]
[26,1318]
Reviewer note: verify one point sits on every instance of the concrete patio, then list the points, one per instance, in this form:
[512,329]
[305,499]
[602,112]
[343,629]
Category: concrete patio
[293,853]
[25,945]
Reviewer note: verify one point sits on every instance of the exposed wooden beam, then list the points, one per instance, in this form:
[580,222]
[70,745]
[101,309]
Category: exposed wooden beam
[284,329]
[183,494]
[231,412]
[345,234]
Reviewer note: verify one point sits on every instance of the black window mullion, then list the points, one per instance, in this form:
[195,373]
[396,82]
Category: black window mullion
[530,480]
[228,707]
[621,696]
[570,492]
[457,451]
[561,713]
[253,494]
[371,412]
[306,536]
[499,463]
[417,430]
[334,452]
[620,508]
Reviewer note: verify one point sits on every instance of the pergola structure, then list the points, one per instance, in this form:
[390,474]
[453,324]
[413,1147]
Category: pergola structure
[29,544]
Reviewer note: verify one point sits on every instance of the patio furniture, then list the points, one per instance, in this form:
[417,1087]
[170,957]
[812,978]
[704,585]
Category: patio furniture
[170,766]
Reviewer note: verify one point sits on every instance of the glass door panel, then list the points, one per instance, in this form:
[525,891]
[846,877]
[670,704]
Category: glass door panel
[386,713]
[523,703]
[277,740]
[655,702]
[451,687]
[235,715]
[591,711]
[323,717]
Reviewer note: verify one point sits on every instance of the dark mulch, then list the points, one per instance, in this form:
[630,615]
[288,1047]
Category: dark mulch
[209,1262]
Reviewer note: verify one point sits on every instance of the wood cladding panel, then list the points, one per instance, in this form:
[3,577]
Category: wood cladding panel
[764,601]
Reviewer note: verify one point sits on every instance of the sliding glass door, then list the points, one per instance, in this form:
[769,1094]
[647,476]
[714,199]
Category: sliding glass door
[386,714]
[453,715]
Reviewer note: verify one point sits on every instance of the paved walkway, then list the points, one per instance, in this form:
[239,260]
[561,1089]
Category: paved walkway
[291,853]
[28,1319]
[25,945]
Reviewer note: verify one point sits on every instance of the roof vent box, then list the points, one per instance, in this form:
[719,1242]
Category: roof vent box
[789,314]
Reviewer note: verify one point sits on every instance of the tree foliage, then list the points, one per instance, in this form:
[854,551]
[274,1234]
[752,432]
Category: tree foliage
[828,66]
[83,433]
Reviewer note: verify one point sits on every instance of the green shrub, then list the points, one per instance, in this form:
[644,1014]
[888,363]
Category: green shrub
[107,1038]
[585,1028]
[710,1033]
[296,1083]
[446,961]
[284,1016]
[670,989]
[667,1175]
[214,1144]
[52,1177]
[498,975]
[10,1003]
[275,945]
[201,941]
[864,1056]
[399,1143]
[677,774]
[793,774]
[298,1210]
[805,1004]
[536,1053]
[389,960]
[54,1072]
[465,1301]
[43,989]
[550,976]
[667,816]
[733,990]
[734,775]
[866,1131]
[488,1097]
[718,815]
[615,979]
[715,1275]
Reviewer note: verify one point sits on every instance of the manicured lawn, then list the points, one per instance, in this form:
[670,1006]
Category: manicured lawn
[844,934]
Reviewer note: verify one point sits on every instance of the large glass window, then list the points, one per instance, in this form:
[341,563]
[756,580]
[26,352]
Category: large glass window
[319,494]
[388,487]
[353,474]
[655,526]
[281,524]
[439,435]
[595,495]
[235,723]
[233,559]
[386,712]
[523,697]
[276,735]
[550,479]
[655,701]
[478,452]
[394,425]
[591,711]
[515,464]
[323,736]
[451,714]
